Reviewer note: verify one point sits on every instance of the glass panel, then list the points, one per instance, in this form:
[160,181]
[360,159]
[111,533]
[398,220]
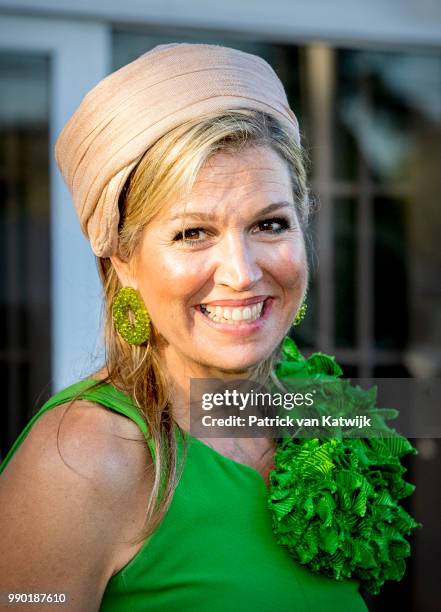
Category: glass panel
[349,371]
[405,107]
[387,135]
[391,274]
[345,244]
[344,136]
[24,237]
[387,105]
[391,371]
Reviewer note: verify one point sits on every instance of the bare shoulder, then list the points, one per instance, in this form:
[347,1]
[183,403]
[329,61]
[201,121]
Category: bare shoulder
[66,496]
[90,439]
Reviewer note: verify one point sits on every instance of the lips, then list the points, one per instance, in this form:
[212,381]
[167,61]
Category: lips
[232,303]
[231,326]
[235,314]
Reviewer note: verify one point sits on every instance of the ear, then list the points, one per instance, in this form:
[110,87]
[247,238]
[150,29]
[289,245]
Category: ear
[124,271]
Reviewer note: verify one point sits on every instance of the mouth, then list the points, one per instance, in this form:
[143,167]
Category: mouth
[235,315]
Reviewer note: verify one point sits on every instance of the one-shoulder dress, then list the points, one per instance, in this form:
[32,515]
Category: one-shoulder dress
[215,550]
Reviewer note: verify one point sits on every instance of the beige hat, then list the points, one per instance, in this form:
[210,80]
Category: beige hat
[128,111]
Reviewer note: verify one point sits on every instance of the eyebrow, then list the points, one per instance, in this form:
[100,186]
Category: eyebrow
[213,217]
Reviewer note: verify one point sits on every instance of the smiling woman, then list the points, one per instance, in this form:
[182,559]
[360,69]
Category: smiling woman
[187,175]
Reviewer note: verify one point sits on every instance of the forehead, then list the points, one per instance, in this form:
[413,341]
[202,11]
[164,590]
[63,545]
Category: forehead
[252,176]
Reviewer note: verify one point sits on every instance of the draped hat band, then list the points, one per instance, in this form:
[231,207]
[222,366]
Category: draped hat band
[129,110]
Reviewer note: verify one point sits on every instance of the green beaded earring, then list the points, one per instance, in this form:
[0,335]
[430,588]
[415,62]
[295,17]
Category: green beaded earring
[136,332]
[300,314]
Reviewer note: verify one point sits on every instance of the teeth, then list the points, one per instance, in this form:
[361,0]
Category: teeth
[246,314]
[236,314]
[232,315]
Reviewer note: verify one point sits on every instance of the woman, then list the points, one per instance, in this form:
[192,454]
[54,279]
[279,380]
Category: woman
[187,175]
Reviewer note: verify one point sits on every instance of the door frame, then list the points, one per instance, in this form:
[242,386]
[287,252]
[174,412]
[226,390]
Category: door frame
[80,56]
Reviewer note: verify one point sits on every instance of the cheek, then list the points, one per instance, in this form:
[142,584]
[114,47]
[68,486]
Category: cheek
[288,264]
[168,279]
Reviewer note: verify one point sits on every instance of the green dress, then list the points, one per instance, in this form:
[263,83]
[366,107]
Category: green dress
[215,549]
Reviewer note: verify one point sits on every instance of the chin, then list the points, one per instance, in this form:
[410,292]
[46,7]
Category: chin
[237,365]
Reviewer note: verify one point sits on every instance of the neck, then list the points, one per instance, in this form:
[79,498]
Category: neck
[180,372]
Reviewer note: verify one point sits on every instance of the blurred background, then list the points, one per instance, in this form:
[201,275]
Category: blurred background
[365,82]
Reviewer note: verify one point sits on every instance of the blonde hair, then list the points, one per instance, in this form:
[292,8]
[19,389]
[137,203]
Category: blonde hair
[168,170]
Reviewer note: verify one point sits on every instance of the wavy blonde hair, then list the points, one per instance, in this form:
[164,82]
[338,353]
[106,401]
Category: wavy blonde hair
[168,170]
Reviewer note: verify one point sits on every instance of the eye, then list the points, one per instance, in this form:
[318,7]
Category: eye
[190,236]
[275,225]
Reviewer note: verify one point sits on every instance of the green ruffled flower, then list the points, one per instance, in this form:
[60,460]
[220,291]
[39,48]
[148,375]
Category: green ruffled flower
[335,502]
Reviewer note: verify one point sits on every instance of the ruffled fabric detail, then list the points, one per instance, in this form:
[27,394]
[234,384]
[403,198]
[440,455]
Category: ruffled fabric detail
[335,502]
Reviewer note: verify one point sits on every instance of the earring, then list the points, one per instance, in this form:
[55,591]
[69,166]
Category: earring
[128,299]
[300,314]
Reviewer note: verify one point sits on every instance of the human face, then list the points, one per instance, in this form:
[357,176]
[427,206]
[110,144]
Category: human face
[243,247]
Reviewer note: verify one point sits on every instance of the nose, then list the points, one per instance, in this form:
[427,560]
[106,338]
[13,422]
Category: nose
[237,265]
